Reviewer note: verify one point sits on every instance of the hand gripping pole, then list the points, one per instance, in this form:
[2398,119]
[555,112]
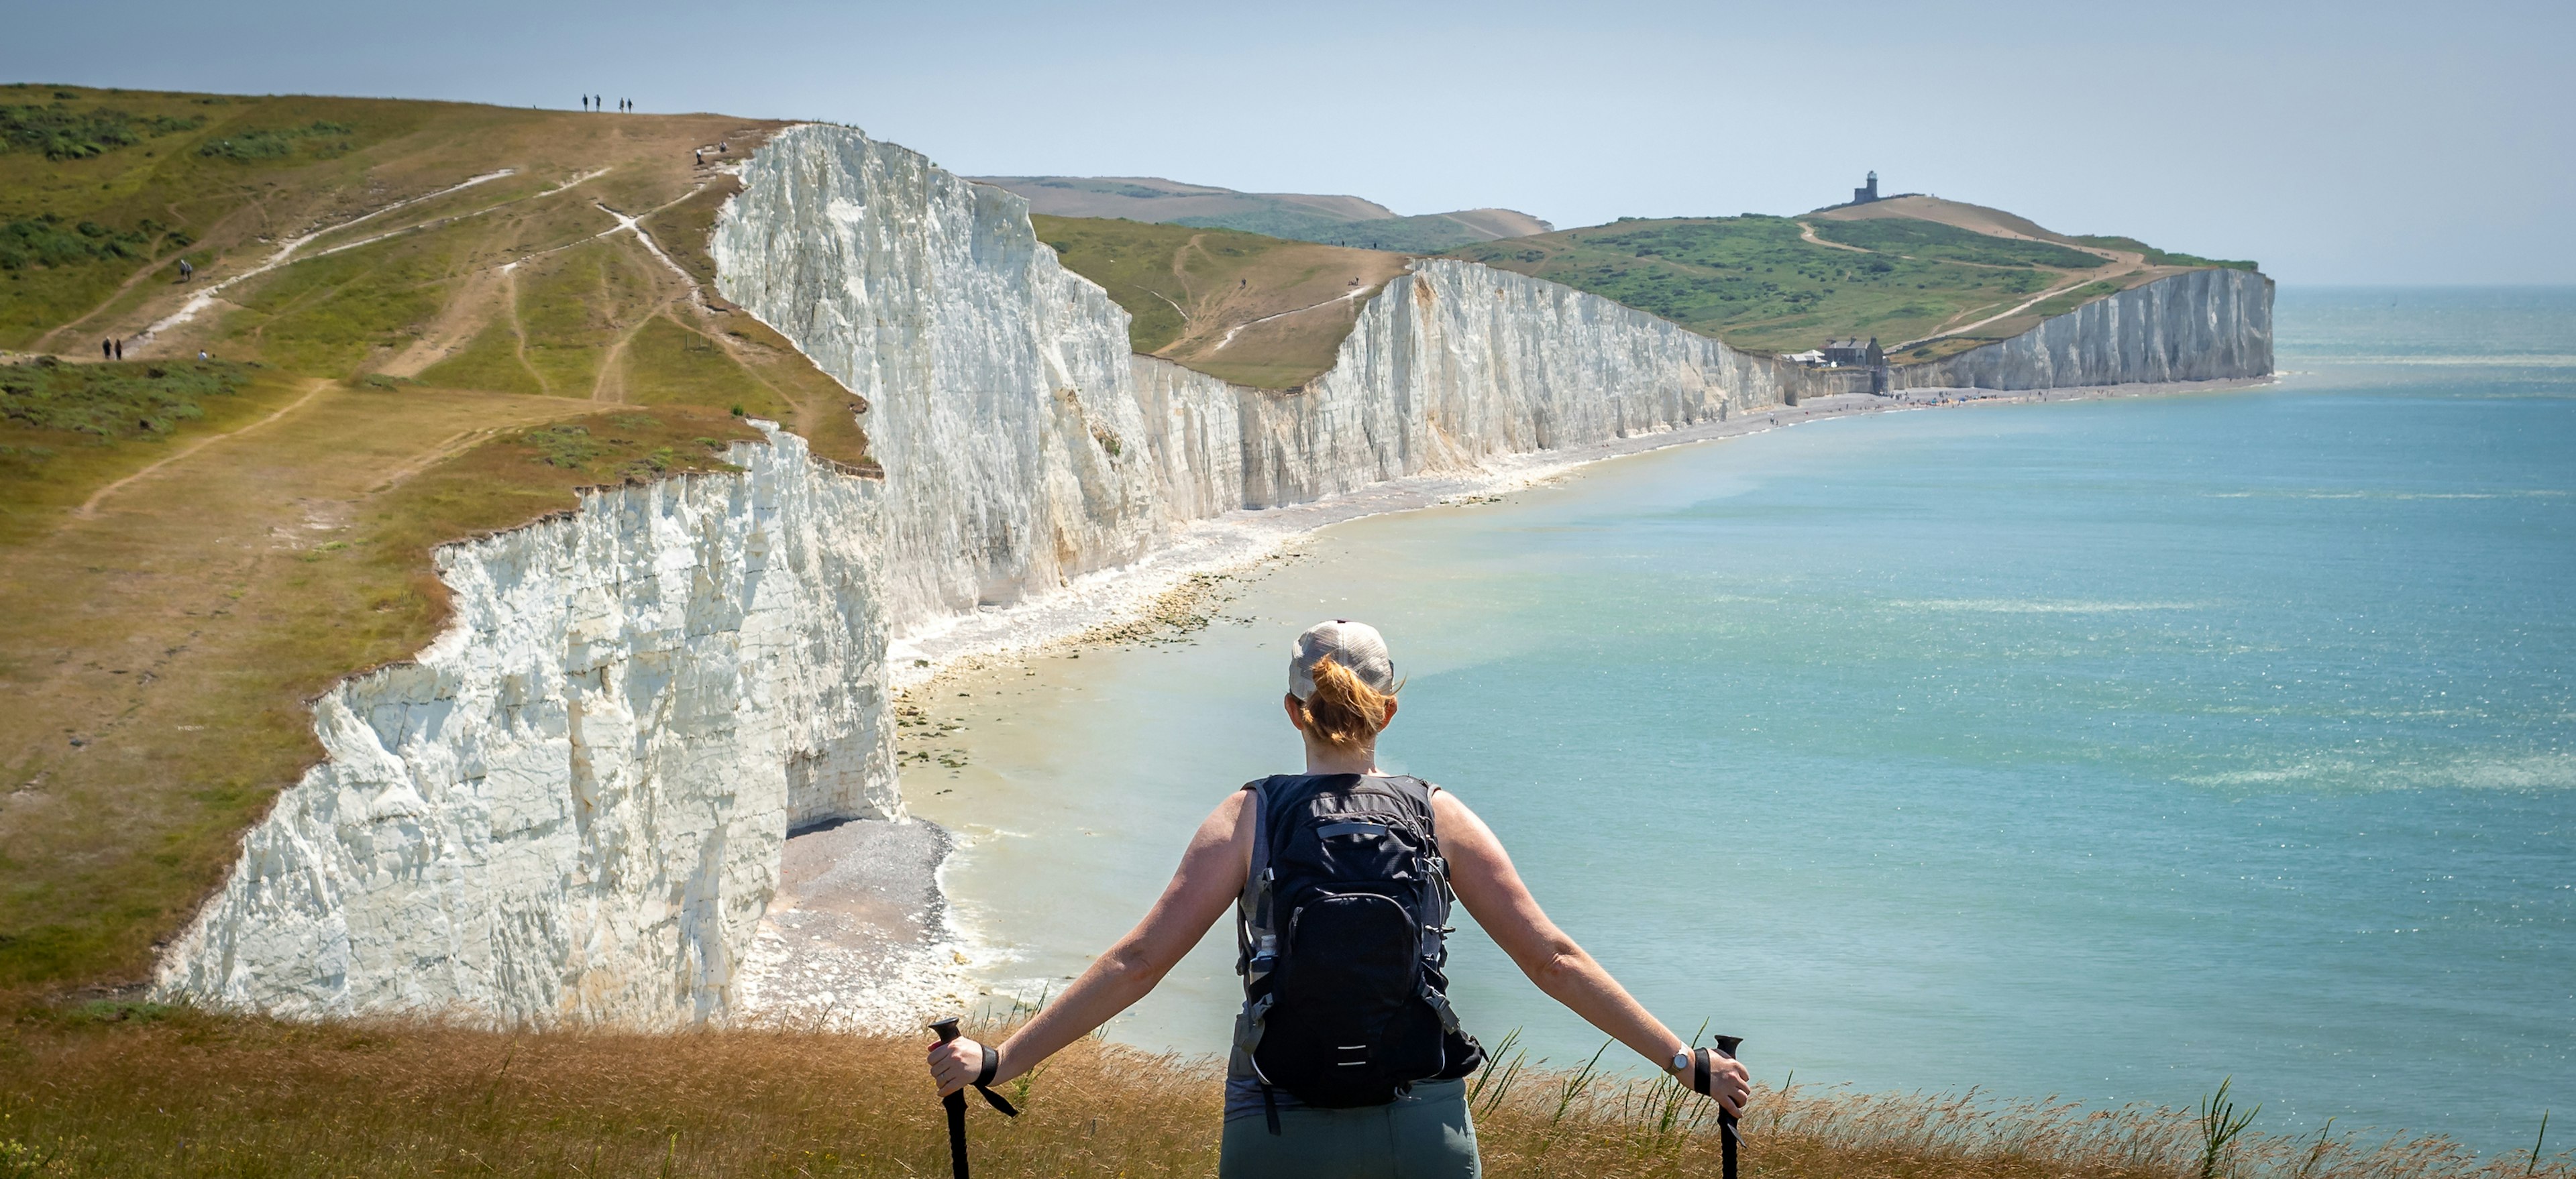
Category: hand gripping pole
[1729,1136]
[956,1102]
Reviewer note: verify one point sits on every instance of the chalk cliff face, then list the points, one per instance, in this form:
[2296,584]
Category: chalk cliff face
[1023,444]
[569,808]
[2203,325]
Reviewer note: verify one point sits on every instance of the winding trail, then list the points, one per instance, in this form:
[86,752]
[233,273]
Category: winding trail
[89,507]
[286,253]
[1807,233]
[1344,297]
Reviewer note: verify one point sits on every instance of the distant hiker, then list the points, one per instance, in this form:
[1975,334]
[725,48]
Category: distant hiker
[201,354]
[120,349]
[107,350]
[1348,1060]
[699,156]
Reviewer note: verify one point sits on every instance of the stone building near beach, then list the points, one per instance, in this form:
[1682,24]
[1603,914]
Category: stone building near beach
[1855,352]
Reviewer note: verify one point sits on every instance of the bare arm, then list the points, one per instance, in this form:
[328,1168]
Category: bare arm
[1209,878]
[1492,891]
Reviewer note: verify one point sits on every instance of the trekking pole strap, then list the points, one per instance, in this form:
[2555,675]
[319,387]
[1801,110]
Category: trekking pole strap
[984,1079]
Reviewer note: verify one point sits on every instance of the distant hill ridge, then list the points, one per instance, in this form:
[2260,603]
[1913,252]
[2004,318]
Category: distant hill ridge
[1928,278]
[1334,220]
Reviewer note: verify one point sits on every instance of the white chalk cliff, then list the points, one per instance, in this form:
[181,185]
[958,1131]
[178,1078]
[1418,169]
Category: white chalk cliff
[571,807]
[2200,325]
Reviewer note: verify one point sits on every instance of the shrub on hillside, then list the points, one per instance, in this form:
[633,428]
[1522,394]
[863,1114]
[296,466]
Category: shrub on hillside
[110,401]
[277,143]
[44,240]
[63,132]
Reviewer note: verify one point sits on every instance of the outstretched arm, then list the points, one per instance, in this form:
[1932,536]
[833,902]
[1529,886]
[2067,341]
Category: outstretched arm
[1492,891]
[1209,878]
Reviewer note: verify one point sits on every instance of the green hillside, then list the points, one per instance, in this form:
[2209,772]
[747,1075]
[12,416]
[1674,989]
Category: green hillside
[1933,277]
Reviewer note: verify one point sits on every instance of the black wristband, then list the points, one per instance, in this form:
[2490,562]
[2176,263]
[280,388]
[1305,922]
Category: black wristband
[993,1064]
[1699,1072]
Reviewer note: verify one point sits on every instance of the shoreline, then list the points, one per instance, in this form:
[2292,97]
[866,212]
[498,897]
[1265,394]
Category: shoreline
[1111,598]
[856,964]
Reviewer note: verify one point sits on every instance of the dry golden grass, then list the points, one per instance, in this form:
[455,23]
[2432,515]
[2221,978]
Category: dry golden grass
[135,1091]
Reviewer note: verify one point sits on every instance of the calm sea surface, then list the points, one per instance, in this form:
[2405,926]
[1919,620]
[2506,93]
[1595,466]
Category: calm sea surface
[2100,749]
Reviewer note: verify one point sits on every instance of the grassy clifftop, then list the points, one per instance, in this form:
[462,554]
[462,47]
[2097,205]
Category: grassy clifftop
[425,320]
[1259,311]
[1927,278]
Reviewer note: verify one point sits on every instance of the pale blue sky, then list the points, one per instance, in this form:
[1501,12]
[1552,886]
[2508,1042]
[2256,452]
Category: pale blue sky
[2346,143]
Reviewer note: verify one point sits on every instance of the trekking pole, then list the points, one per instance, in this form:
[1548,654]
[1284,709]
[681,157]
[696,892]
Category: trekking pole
[1728,1135]
[1702,1075]
[956,1102]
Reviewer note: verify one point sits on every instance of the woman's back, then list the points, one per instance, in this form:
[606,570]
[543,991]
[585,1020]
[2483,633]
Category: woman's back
[1348,1060]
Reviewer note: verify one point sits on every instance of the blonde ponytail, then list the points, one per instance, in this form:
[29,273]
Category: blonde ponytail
[1342,711]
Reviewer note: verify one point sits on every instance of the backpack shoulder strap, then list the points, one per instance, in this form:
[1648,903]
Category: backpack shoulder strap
[1260,791]
[1417,794]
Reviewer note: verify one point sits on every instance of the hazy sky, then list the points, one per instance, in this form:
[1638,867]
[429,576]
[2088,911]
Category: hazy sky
[2336,143]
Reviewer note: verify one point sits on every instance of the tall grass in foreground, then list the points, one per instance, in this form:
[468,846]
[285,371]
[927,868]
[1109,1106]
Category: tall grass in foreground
[129,1091]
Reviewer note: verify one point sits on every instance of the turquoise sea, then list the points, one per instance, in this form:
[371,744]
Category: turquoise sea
[2099,749]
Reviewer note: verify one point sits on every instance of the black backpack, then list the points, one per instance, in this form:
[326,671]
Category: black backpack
[1339,936]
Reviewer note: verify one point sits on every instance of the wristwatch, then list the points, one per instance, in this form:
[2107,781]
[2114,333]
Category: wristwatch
[1696,1065]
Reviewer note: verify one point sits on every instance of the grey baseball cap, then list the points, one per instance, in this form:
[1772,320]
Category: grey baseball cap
[1355,645]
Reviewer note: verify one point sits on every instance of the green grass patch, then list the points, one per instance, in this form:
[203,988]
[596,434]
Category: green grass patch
[665,364]
[48,240]
[1753,282]
[2069,301]
[60,131]
[113,401]
[1132,260]
[321,138]
[488,361]
[569,309]
[328,314]
[1949,243]
[2156,257]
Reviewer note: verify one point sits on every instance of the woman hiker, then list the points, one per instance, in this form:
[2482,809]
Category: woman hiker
[1347,1060]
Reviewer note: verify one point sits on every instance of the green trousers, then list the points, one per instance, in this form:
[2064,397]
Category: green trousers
[1425,1134]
